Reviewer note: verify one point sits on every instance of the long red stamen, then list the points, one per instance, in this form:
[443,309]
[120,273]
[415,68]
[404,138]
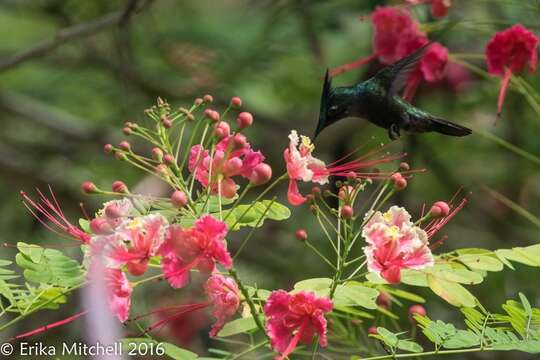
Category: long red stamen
[50,326]
[502,92]
[434,226]
[294,341]
[182,309]
[351,66]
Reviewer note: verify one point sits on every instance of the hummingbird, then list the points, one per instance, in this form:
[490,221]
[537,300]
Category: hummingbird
[377,100]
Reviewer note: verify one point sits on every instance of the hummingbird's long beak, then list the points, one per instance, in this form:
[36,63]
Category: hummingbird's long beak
[323,111]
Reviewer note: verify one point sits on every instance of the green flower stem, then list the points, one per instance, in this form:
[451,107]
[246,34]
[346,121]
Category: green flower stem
[309,245]
[41,306]
[428,353]
[240,197]
[261,195]
[249,301]
[326,232]
[190,142]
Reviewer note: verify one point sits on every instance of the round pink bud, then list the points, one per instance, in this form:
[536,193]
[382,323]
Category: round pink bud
[244,120]
[168,159]
[316,191]
[179,199]
[222,129]
[372,330]
[89,187]
[404,166]
[347,212]
[211,114]
[127,130]
[112,211]
[162,169]
[351,175]
[108,148]
[345,192]
[157,154]
[236,102]
[301,235]
[120,156]
[119,187]
[124,145]
[261,174]
[100,226]
[232,166]
[240,141]
[399,181]
[198,101]
[137,268]
[440,209]
[416,310]
[384,300]
[208,98]
[228,189]
[167,123]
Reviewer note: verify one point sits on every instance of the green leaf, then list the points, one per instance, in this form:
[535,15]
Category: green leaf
[238,326]
[388,337]
[319,286]
[353,293]
[414,278]
[481,262]
[410,346]
[462,276]
[405,295]
[452,292]
[48,266]
[85,225]
[526,304]
[254,216]
[462,339]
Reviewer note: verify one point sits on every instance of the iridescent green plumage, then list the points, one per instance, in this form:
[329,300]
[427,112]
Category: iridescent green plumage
[377,100]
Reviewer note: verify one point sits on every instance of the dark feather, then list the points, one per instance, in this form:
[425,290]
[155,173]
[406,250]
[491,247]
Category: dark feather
[325,97]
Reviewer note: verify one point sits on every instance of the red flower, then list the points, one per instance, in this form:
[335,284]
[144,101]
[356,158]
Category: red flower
[201,247]
[511,51]
[225,299]
[295,318]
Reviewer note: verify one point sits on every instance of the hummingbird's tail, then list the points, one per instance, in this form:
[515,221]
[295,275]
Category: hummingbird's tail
[448,128]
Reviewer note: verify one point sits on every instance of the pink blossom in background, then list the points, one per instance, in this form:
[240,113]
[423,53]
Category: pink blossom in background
[201,247]
[439,8]
[295,318]
[118,293]
[395,243]
[229,159]
[511,51]
[224,298]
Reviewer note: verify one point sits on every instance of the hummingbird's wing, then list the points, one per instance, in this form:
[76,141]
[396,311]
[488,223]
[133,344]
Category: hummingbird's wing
[325,98]
[393,78]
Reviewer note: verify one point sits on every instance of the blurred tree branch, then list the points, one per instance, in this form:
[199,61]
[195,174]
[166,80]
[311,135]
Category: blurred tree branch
[63,36]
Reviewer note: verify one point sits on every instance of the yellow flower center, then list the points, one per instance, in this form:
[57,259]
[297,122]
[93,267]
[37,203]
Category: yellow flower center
[393,232]
[306,144]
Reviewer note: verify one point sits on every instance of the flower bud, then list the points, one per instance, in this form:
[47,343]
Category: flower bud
[236,102]
[120,156]
[310,198]
[89,187]
[244,120]
[137,268]
[211,114]
[208,98]
[168,159]
[416,310]
[351,176]
[372,330]
[404,166]
[261,174]
[162,169]
[316,191]
[313,209]
[198,101]
[127,131]
[100,226]
[347,212]
[440,209]
[124,145]
[222,130]
[167,123]
[179,199]
[108,148]
[190,117]
[157,154]
[119,187]
[384,300]
[113,211]
[301,235]
[232,166]
[327,193]
[345,192]
[399,181]
[240,141]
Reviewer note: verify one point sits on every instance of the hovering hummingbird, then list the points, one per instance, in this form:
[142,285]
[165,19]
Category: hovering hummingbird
[377,100]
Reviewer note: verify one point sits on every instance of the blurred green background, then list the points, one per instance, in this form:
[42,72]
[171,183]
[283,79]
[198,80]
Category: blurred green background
[59,105]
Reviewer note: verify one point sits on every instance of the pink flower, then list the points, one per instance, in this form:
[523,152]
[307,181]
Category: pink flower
[508,52]
[51,210]
[295,318]
[439,8]
[302,166]
[201,247]
[396,34]
[395,243]
[119,293]
[136,242]
[225,299]
[228,160]
[111,216]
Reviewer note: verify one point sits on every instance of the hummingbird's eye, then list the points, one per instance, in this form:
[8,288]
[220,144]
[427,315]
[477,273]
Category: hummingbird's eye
[332,109]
